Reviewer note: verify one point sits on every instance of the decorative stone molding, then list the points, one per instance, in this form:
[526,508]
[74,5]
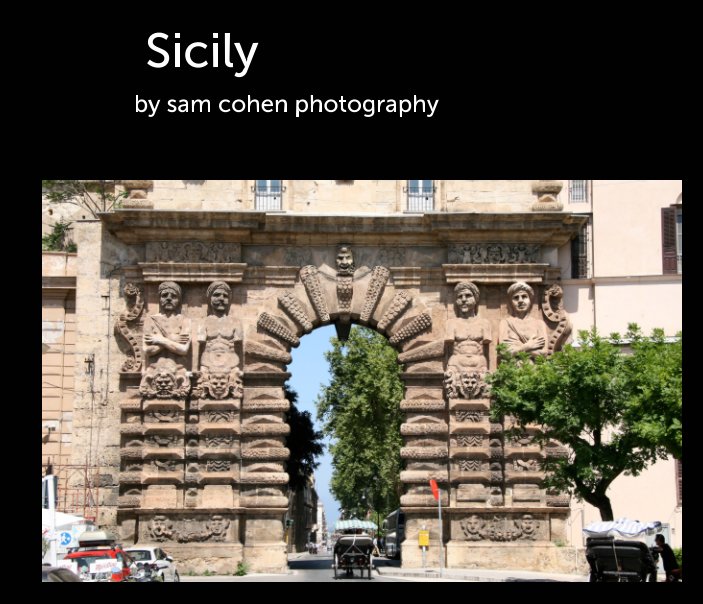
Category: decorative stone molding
[493,253]
[557,318]
[269,353]
[193,252]
[416,326]
[423,405]
[495,273]
[295,310]
[547,191]
[396,308]
[127,326]
[311,280]
[432,350]
[277,329]
[192,272]
[379,278]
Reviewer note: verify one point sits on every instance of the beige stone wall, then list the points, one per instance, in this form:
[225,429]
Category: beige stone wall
[98,358]
[344,197]
[58,359]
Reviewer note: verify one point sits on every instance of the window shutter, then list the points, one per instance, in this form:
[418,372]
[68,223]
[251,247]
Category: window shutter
[669,241]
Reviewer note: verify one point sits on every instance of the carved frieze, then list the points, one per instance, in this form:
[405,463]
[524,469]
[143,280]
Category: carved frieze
[187,530]
[509,527]
[193,251]
[127,325]
[218,465]
[468,416]
[493,253]
[220,416]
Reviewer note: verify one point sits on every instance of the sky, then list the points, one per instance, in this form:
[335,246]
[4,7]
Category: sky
[309,372]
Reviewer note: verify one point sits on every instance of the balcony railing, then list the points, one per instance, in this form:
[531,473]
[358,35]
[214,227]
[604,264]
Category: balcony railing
[420,199]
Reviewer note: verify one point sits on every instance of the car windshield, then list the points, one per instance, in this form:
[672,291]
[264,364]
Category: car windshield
[140,555]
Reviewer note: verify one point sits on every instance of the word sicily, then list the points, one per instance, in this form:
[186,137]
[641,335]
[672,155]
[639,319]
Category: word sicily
[197,54]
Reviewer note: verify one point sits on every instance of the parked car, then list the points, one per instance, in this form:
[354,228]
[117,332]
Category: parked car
[56,574]
[168,570]
[99,558]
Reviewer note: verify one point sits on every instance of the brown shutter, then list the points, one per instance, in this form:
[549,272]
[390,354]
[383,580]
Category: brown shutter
[669,241]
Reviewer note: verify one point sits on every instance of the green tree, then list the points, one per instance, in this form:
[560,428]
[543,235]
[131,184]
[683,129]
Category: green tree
[597,401]
[361,412]
[655,371]
[303,443]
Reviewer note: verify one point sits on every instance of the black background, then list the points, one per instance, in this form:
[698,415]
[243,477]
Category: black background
[520,95]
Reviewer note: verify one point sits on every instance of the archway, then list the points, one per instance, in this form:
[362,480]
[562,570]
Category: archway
[202,465]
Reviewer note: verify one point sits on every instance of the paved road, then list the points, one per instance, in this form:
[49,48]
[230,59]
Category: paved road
[304,568]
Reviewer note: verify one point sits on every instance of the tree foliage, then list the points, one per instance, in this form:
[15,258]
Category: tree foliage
[303,442]
[94,196]
[59,240]
[361,412]
[615,412]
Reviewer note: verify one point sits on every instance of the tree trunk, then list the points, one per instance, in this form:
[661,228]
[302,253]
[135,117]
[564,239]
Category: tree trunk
[600,501]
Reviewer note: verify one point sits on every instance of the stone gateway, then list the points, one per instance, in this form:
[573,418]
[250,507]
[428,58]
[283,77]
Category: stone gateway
[193,426]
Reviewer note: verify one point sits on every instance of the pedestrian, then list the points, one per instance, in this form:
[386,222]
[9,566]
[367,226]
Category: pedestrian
[375,551]
[671,566]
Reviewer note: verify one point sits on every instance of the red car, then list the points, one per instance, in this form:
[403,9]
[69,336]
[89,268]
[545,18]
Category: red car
[99,558]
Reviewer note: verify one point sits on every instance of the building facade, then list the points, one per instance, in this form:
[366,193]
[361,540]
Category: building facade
[193,422]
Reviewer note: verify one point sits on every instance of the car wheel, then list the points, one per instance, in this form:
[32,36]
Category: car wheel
[176,578]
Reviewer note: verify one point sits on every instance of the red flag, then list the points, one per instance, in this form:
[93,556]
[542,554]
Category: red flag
[435,489]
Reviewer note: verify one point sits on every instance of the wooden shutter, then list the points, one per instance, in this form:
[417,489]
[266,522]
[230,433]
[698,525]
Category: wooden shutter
[669,241]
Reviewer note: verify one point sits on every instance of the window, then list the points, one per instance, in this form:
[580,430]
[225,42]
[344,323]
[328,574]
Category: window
[579,254]
[268,195]
[578,191]
[420,196]
[679,483]
[672,240]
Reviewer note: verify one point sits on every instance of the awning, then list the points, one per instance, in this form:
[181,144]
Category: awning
[62,519]
[622,526]
[355,523]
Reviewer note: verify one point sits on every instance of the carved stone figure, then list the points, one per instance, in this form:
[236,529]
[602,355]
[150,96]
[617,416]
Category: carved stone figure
[167,334]
[469,337]
[220,375]
[520,332]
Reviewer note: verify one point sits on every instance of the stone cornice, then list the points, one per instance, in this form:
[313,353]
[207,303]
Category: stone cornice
[439,228]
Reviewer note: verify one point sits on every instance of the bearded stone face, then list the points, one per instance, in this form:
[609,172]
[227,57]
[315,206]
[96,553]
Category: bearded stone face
[164,384]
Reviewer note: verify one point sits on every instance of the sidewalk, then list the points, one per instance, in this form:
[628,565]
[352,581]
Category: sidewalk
[498,576]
